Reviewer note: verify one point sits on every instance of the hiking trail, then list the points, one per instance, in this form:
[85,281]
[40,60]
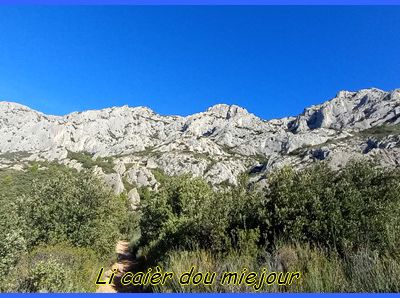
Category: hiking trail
[125,262]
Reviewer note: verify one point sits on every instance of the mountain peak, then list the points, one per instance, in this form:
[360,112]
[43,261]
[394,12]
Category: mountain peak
[137,110]
[347,93]
[227,111]
[219,143]
[7,105]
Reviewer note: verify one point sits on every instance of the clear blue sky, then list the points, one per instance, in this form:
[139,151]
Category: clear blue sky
[273,61]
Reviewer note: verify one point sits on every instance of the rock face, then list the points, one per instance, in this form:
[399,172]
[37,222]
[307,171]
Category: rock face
[129,146]
[352,110]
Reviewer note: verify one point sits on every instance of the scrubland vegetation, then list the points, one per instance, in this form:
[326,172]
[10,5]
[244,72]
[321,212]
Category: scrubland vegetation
[340,229]
[58,227]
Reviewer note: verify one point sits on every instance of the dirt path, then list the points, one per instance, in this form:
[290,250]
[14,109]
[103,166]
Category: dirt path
[125,262]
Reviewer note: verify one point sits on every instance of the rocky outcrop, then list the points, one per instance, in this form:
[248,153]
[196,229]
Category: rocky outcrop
[134,198]
[351,111]
[128,144]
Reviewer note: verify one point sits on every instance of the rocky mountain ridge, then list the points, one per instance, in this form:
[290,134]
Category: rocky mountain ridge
[127,146]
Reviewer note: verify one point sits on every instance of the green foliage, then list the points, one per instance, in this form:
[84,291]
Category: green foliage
[186,213]
[345,210]
[46,276]
[160,176]
[321,270]
[317,221]
[15,156]
[59,268]
[381,131]
[46,206]
[341,229]
[12,241]
[15,183]
[170,215]
[74,207]
[14,236]
[87,161]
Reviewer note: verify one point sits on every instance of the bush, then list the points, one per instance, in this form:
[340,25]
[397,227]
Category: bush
[339,228]
[49,204]
[321,270]
[324,218]
[187,213]
[345,210]
[87,161]
[59,268]
[12,241]
[170,216]
[74,207]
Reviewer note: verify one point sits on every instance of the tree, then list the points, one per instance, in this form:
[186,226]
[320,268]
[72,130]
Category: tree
[73,207]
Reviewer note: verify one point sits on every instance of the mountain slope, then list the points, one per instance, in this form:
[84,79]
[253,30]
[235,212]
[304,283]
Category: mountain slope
[127,145]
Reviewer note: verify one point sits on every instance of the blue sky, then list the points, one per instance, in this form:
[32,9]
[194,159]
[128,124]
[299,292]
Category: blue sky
[274,61]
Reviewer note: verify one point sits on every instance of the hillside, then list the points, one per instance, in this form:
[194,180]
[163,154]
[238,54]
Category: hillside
[128,146]
[335,222]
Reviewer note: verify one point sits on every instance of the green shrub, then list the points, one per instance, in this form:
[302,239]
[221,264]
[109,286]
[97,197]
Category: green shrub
[88,162]
[52,205]
[321,270]
[186,213]
[59,268]
[12,241]
[74,207]
[322,219]
[345,210]
[341,229]
[381,131]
